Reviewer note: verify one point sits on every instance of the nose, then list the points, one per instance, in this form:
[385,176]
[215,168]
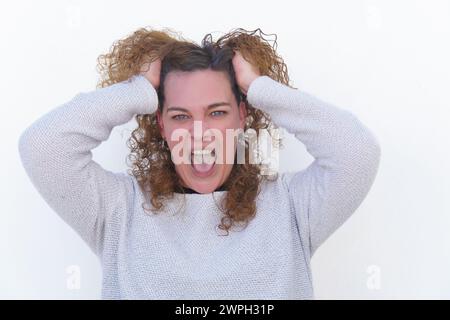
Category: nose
[200,134]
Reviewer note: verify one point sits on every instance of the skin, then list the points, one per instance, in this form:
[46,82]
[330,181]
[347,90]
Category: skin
[195,91]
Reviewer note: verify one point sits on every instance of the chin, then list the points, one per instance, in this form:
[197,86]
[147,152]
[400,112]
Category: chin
[202,184]
[203,188]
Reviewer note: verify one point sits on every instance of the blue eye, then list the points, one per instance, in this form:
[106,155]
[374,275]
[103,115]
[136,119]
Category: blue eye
[223,112]
[177,117]
[183,116]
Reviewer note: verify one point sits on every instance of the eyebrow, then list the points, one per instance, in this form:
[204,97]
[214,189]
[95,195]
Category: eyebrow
[213,105]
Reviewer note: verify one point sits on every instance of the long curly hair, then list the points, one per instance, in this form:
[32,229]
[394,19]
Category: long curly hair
[150,156]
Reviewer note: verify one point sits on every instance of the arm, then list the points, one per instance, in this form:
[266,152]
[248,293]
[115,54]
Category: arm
[56,154]
[346,157]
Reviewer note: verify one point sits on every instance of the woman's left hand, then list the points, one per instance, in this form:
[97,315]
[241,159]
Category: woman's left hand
[245,72]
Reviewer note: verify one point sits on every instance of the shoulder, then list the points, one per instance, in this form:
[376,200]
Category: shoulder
[276,185]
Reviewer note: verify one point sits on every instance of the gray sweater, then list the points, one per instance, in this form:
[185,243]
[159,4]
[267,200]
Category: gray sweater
[179,254]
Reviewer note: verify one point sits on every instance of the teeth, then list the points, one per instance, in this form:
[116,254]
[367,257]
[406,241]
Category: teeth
[203,156]
[202,152]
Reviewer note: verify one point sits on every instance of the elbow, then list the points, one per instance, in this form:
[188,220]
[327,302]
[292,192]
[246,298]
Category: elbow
[359,144]
[24,146]
[367,145]
[23,142]
[37,138]
[369,152]
[374,147]
[377,150]
[362,148]
[29,147]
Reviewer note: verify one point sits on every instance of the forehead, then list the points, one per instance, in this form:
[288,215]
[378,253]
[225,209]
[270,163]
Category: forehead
[196,88]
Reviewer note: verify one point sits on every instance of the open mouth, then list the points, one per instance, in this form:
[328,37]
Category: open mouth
[203,162]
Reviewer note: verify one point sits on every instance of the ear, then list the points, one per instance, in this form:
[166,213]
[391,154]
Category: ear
[242,113]
[160,123]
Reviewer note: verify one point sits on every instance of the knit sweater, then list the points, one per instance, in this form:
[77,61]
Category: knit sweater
[180,253]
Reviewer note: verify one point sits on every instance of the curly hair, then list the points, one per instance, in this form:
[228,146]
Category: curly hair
[150,156]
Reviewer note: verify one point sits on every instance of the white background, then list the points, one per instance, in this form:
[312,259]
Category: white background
[386,61]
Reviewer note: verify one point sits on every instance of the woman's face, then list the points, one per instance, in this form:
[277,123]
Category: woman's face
[203,100]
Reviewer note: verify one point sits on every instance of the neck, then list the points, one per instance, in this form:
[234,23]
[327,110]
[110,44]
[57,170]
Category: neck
[185,189]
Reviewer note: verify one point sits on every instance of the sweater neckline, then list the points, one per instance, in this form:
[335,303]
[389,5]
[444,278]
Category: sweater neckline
[191,191]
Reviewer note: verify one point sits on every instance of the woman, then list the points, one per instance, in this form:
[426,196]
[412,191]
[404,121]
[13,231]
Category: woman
[169,229]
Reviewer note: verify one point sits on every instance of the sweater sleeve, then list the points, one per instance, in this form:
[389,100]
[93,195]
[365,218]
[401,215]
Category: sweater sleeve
[346,157]
[56,154]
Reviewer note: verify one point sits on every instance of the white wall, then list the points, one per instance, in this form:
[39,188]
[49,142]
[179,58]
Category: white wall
[386,61]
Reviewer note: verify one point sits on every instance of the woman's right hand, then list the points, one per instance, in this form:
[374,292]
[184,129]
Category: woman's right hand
[152,72]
